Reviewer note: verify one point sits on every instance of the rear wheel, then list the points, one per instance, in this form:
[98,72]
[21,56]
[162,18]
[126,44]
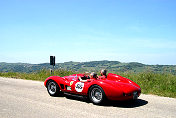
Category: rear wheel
[96,95]
[53,88]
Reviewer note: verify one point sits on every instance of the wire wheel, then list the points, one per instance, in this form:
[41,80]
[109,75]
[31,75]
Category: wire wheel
[96,94]
[52,88]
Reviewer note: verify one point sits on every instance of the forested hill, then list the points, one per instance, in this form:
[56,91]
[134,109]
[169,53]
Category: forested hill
[111,66]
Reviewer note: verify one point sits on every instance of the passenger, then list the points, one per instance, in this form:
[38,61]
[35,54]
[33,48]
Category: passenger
[103,74]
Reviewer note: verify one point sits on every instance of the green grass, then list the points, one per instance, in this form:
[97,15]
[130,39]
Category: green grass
[162,84]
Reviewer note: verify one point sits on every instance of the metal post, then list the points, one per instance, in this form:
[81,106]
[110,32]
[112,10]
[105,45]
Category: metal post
[53,69]
[52,62]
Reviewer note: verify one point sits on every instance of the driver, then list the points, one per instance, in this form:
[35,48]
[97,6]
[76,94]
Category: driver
[93,76]
[103,74]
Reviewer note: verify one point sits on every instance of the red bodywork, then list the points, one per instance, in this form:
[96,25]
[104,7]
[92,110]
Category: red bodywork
[115,87]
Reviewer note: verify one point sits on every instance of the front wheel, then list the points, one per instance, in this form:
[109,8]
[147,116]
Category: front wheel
[53,88]
[96,95]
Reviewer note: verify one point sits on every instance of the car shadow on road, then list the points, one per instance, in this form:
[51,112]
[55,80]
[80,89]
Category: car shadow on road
[126,104]
[122,104]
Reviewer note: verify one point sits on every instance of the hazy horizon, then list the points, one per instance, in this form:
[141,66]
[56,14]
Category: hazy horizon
[85,62]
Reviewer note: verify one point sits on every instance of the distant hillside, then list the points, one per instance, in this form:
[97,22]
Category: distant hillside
[111,66]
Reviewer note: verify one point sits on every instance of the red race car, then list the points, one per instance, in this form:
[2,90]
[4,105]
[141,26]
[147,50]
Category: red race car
[113,87]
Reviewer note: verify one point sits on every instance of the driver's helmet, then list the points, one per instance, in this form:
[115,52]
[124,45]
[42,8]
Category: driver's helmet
[93,75]
[103,72]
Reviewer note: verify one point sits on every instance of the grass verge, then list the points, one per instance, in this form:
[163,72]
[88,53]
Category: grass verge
[162,84]
[151,83]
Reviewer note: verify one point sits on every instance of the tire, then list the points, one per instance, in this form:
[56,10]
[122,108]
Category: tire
[53,89]
[96,95]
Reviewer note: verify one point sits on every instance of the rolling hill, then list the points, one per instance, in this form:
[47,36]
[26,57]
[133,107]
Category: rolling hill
[111,66]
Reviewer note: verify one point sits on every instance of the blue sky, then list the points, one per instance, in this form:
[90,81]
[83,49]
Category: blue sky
[87,30]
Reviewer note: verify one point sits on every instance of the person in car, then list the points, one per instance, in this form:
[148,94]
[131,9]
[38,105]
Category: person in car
[86,76]
[103,73]
[93,75]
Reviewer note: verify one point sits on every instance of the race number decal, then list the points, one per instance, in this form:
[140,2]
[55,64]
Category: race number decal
[79,86]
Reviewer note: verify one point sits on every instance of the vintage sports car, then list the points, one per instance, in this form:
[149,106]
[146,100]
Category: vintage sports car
[114,87]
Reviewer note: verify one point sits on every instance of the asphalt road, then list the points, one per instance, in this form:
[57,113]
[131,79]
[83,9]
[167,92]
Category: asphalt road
[29,99]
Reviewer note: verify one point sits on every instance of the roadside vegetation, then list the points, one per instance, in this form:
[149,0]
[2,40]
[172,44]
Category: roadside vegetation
[162,84]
